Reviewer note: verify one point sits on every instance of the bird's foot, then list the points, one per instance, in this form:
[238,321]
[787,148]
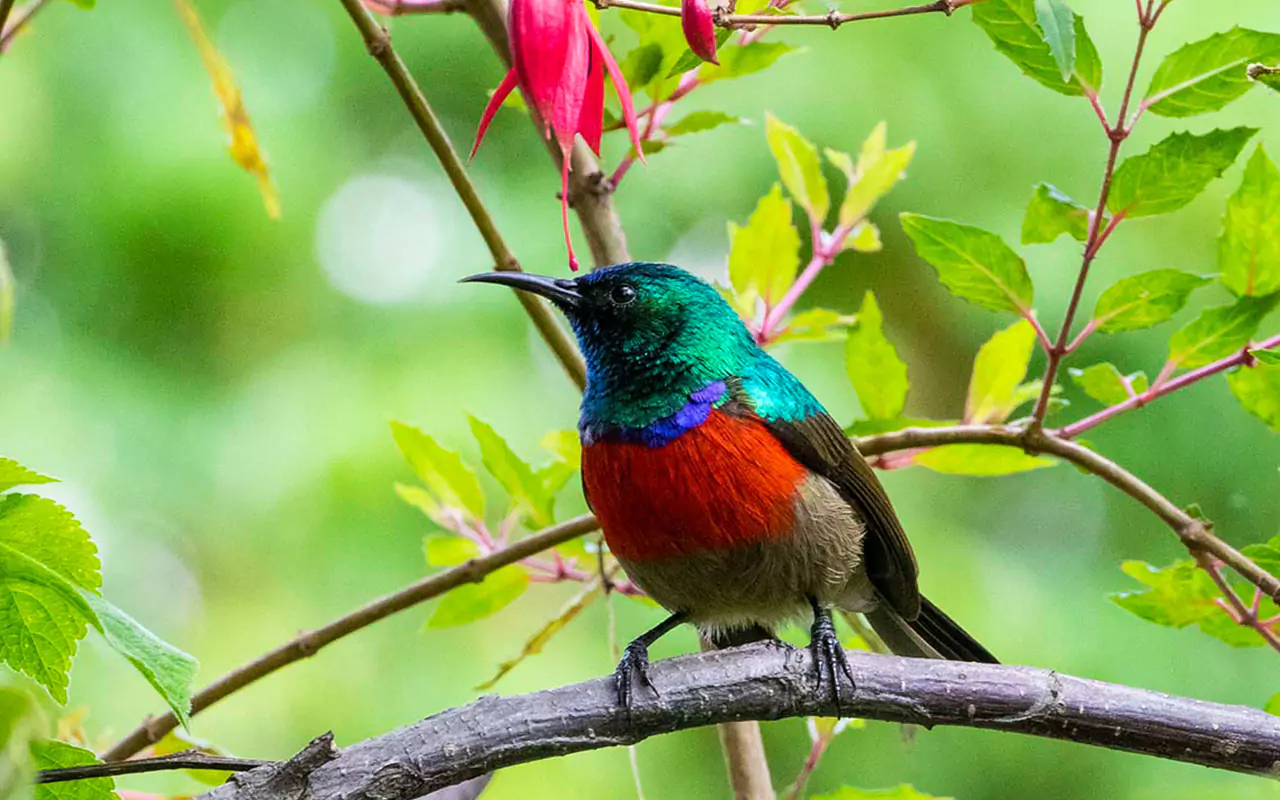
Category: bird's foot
[633,667]
[829,658]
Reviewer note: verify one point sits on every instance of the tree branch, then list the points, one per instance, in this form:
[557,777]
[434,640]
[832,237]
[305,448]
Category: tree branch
[831,19]
[308,644]
[768,682]
[187,759]
[379,45]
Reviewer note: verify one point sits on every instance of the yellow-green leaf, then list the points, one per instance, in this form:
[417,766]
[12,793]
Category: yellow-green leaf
[51,754]
[1145,299]
[474,601]
[865,238]
[539,639]
[1249,248]
[765,255]
[1051,214]
[1208,74]
[998,370]
[6,295]
[1104,383]
[878,375]
[450,481]
[1258,390]
[14,474]
[903,792]
[878,170]
[1219,332]
[449,551]
[798,166]
[982,460]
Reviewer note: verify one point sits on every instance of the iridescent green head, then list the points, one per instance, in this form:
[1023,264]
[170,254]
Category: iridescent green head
[651,334]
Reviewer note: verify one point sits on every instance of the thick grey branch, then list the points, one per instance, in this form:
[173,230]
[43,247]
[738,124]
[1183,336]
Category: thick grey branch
[767,682]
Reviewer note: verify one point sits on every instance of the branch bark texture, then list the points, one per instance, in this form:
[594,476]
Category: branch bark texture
[767,682]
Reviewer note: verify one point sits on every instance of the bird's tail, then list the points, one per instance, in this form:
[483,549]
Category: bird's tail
[931,635]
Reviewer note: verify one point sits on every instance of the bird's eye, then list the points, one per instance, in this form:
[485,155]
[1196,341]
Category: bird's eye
[622,294]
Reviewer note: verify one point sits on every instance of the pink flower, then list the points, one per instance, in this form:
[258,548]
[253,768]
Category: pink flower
[559,64]
[699,29]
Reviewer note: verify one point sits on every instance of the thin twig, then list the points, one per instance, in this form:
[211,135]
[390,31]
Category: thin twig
[1244,615]
[768,682]
[187,759]
[379,45]
[831,20]
[1098,233]
[19,22]
[5,7]
[308,644]
[395,8]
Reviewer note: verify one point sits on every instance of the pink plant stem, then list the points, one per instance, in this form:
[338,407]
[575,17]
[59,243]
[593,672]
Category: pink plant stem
[1041,334]
[824,252]
[1162,387]
[819,747]
[1085,333]
[688,82]
[394,8]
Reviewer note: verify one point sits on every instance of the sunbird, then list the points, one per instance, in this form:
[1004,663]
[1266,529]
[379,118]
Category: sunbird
[722,486]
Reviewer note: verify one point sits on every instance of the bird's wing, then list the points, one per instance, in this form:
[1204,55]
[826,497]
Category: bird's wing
[817,441]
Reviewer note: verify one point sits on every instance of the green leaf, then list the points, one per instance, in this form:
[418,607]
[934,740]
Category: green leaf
[14,474]
[1180,595]
[998,370]
[177,741]
[1265,75]
[1058,25]
[51,754]
[170,671]
[1266,356]
[1265,555]
[50,535]
[6,295]
[1104,383]
[1051,214]
[449,480]
[1249,248]
[700,121]
[903,792]
[765,255]
[21,723]
[1208,74]
[1273,705]
[513,474]
[1145,299]
[813,325]
[983,460]
[641,64]
[539,639]
[690,61]
[974,264]
[738,61]
[449,551]
[865,238]
[474,601]
[1258,390]
[1174,172]
[1013,26]
[878,375]
[873,427]
[877,172]
[1218,332]
[87,5]
[799,167]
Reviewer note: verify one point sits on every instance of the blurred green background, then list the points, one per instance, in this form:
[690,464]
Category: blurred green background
[214,387]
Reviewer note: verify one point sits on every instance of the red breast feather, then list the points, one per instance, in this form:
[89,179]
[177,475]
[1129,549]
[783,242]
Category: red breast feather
[724,484]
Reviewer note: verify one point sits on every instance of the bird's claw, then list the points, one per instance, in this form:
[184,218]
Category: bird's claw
[829,658]
[634,665]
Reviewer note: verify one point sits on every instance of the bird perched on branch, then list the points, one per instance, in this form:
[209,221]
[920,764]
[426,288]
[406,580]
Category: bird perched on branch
[722,486]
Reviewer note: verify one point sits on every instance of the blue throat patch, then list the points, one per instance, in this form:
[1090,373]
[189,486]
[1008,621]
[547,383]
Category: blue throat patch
[661,431]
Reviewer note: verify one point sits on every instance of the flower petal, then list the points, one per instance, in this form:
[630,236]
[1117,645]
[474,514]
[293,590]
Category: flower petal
[539,32]
[573,82]
[619,85]
[495,102]
[699,29]
[591,121]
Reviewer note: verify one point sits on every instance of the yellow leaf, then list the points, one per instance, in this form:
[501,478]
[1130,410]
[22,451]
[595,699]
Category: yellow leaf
[244,142]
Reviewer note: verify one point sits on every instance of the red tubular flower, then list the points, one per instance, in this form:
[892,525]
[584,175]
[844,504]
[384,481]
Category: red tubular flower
[559,60]
[699,29]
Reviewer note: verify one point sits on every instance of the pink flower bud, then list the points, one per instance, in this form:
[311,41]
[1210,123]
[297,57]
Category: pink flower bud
[699,29]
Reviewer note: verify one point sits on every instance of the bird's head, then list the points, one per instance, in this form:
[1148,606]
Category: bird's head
[642,321]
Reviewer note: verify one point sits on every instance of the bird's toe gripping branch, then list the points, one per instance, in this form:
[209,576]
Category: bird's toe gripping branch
[828,656]
[633,668]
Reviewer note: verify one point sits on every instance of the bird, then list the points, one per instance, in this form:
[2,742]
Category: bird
[721,484]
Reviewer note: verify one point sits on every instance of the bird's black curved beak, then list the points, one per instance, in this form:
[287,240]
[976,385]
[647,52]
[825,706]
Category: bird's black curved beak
[563,293]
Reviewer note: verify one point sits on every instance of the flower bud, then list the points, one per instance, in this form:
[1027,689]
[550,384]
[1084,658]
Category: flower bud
[699,28]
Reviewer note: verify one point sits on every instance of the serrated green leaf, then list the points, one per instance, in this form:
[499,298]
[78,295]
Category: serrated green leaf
[878,375]
[1058,25]
[449,551]
[422,500]
[1180,595]
[1208,74]
[981,460]
[998,370]
[1104,383]
[974,264]
[798,166]
[1051,214]
[1219,332]
[1145,299]
[474,601]
[14,474]
[1174,172]
[1258,390]
[765,255]
[1266,356]
[49,534]
[700,121]
[738,61]
[1013,27]
[443,472]
[6,295]
[879,170]
[51,754]
[1249,248]
[170,671]
[903,792]
[514,475]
